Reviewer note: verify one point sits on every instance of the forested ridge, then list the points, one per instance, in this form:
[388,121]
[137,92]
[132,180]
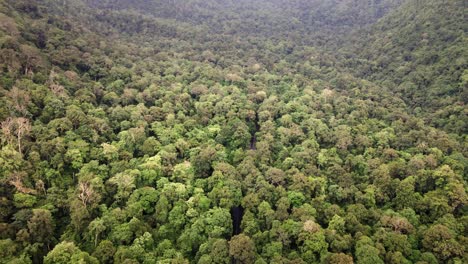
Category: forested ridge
[224,131]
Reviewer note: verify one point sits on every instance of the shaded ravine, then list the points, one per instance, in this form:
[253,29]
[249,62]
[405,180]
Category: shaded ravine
[253,138]
[236,215]
[237,212]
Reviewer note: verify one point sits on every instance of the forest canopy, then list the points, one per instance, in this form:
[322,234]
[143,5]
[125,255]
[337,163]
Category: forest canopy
[222,131]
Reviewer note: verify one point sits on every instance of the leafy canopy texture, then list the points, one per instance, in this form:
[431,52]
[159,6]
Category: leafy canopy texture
[221,131]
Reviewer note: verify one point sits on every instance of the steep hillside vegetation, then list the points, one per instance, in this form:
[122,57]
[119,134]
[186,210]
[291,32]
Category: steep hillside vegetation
[420,52]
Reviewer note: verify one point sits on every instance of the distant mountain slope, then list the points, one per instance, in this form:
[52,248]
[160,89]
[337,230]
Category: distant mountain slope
[420,51]
[272,18]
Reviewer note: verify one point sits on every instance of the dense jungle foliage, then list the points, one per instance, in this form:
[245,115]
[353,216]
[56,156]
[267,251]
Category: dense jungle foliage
[233,131]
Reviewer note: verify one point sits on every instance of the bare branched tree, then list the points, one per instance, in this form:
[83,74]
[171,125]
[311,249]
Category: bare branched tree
[17,181]
[19,99]
[86,193]
[16,127]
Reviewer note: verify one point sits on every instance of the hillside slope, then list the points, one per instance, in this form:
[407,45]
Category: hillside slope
[419,51]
